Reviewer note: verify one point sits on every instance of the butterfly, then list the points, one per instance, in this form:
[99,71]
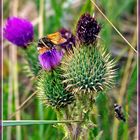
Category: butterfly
[50,41]
[118,112]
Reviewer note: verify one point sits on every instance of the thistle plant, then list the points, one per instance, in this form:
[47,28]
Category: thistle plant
[70,43]
[19,31]
[70,78]
[88,70]
[87,29]
[51,90]
[50,59]
[31,66]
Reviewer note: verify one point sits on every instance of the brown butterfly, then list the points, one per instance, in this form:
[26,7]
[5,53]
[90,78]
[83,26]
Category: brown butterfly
[50,41]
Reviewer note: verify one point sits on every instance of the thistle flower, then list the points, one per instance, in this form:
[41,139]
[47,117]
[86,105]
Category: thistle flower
[69,37]
[51,91]
[88,70]
[87,29]
[50,59]
[18,31]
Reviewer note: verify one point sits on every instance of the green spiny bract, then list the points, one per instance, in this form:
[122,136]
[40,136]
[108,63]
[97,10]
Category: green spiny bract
[32,66]
[51,91]
[88,70]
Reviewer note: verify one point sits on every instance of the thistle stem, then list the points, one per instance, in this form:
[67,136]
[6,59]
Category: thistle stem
[69,126]
[78,128]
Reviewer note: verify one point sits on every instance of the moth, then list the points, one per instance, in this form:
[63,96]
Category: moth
[118,112]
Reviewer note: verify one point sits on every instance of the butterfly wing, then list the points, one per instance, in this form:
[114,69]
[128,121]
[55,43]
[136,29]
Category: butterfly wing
[42,50]
[56,38]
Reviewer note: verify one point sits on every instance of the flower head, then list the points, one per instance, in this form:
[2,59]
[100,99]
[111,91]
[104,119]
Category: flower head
[69,37]
[52,92]
[18,31]
[87,29]
[88,70]
[50,59]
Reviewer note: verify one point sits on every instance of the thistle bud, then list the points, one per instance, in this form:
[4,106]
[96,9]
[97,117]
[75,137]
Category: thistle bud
[88,70]
[51,90]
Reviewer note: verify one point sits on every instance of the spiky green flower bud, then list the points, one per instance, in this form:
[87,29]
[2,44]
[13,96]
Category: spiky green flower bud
[89,69]
[51,91]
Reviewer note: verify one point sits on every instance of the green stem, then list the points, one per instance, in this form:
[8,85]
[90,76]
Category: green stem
[69,125]
[78,128]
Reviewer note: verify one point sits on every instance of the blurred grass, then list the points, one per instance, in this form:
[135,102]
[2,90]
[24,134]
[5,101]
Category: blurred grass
[54,18]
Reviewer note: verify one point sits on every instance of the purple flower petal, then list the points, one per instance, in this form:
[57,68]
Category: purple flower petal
[69,37]
[18,31]
[87,29]
[50,59]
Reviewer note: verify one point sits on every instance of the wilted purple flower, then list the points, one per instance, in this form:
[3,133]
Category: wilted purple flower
[50,59]
[69,37]
[18,31]
[87,29]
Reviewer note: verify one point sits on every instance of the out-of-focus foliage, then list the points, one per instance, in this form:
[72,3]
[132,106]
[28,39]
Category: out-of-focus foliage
[65,13]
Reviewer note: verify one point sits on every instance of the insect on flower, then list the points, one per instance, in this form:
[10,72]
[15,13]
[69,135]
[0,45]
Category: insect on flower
[49,42]
[118,112]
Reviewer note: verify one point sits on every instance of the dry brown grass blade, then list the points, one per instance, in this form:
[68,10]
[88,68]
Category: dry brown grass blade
[13,82]
[22,105]
[41,14]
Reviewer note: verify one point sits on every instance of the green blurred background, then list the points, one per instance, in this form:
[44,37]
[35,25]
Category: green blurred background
[49,16]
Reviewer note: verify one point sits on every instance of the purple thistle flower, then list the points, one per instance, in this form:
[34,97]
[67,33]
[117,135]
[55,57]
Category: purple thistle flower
[50,59]
[69,37]
[18,31]
[87,29]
